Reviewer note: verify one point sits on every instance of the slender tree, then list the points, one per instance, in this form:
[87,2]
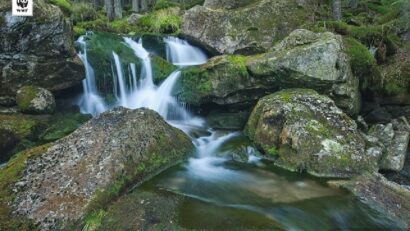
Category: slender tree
[117,9]
[337,9]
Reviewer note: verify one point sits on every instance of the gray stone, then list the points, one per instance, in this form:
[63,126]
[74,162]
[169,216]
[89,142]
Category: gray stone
[113,151]
[35,100]
[305,131]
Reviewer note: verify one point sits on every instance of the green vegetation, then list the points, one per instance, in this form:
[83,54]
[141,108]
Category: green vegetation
[195,84]
[363,64]
[93,220]
[64,5]
[83,12]
[26,95]
[62,125]
[167,21]
[273,151]
[239,62]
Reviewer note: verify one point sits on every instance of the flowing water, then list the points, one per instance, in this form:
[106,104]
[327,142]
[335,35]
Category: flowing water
[227,185]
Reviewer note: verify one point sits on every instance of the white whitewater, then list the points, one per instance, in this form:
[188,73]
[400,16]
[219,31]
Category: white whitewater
[91,102]
[181,53]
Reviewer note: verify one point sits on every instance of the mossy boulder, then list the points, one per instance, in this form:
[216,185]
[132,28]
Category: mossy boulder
[244,27]
[305,131]
[17,130]
[311,60]
[88,169]
[35,100]
[303,59]
[37,50]
[223,80]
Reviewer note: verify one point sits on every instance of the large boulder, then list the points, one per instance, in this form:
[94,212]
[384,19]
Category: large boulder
[305,131]
[83,172]
[303,59]
[35,100]
[37,50]
[244,27]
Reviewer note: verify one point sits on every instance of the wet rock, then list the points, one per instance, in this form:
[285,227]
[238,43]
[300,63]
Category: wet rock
[306,131]
[35,100]
[133,18]
[295,62]
[393,139]
[226,120]
[311,60]
[37,50]
[8,141]
[92,166]
[243,27]
[381,194]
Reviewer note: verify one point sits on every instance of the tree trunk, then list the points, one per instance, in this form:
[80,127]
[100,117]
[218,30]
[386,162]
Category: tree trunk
[117,9]
[354,4]
[144,5]
[337,9]
[109,8]
[136,5]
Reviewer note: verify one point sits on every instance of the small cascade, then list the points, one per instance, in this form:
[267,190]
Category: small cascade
[146,80]
[90,102]
[181,53]
[121,92]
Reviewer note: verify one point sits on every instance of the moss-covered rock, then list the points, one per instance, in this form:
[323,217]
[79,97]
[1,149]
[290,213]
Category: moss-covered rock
[35,100]
[244,27]
[87,170]
[63,124]
[307,132]
[303,59]
[37,50]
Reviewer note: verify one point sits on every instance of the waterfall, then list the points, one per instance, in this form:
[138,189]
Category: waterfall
[119,79]
[181,53]
[90,102]
[146,80]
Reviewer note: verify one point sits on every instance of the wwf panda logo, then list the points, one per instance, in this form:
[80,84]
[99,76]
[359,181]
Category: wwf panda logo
[22,3]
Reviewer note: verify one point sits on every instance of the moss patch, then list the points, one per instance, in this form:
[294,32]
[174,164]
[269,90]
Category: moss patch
[166,21]
[363,64]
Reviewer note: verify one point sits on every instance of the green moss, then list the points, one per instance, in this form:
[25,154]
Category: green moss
[21,126]
[93,220]
[392,88]
[26,95]
[195,85]
[161,68]
[83,12]
[167,21]
[162,4]
[363,64]
[273,151]
[62,125]
[64,5]
[239,62]
[78,31]
[9,175]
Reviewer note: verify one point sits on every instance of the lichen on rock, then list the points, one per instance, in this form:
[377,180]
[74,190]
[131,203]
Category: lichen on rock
[310,133]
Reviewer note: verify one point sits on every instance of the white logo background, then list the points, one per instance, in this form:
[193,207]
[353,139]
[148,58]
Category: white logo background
[19,11]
